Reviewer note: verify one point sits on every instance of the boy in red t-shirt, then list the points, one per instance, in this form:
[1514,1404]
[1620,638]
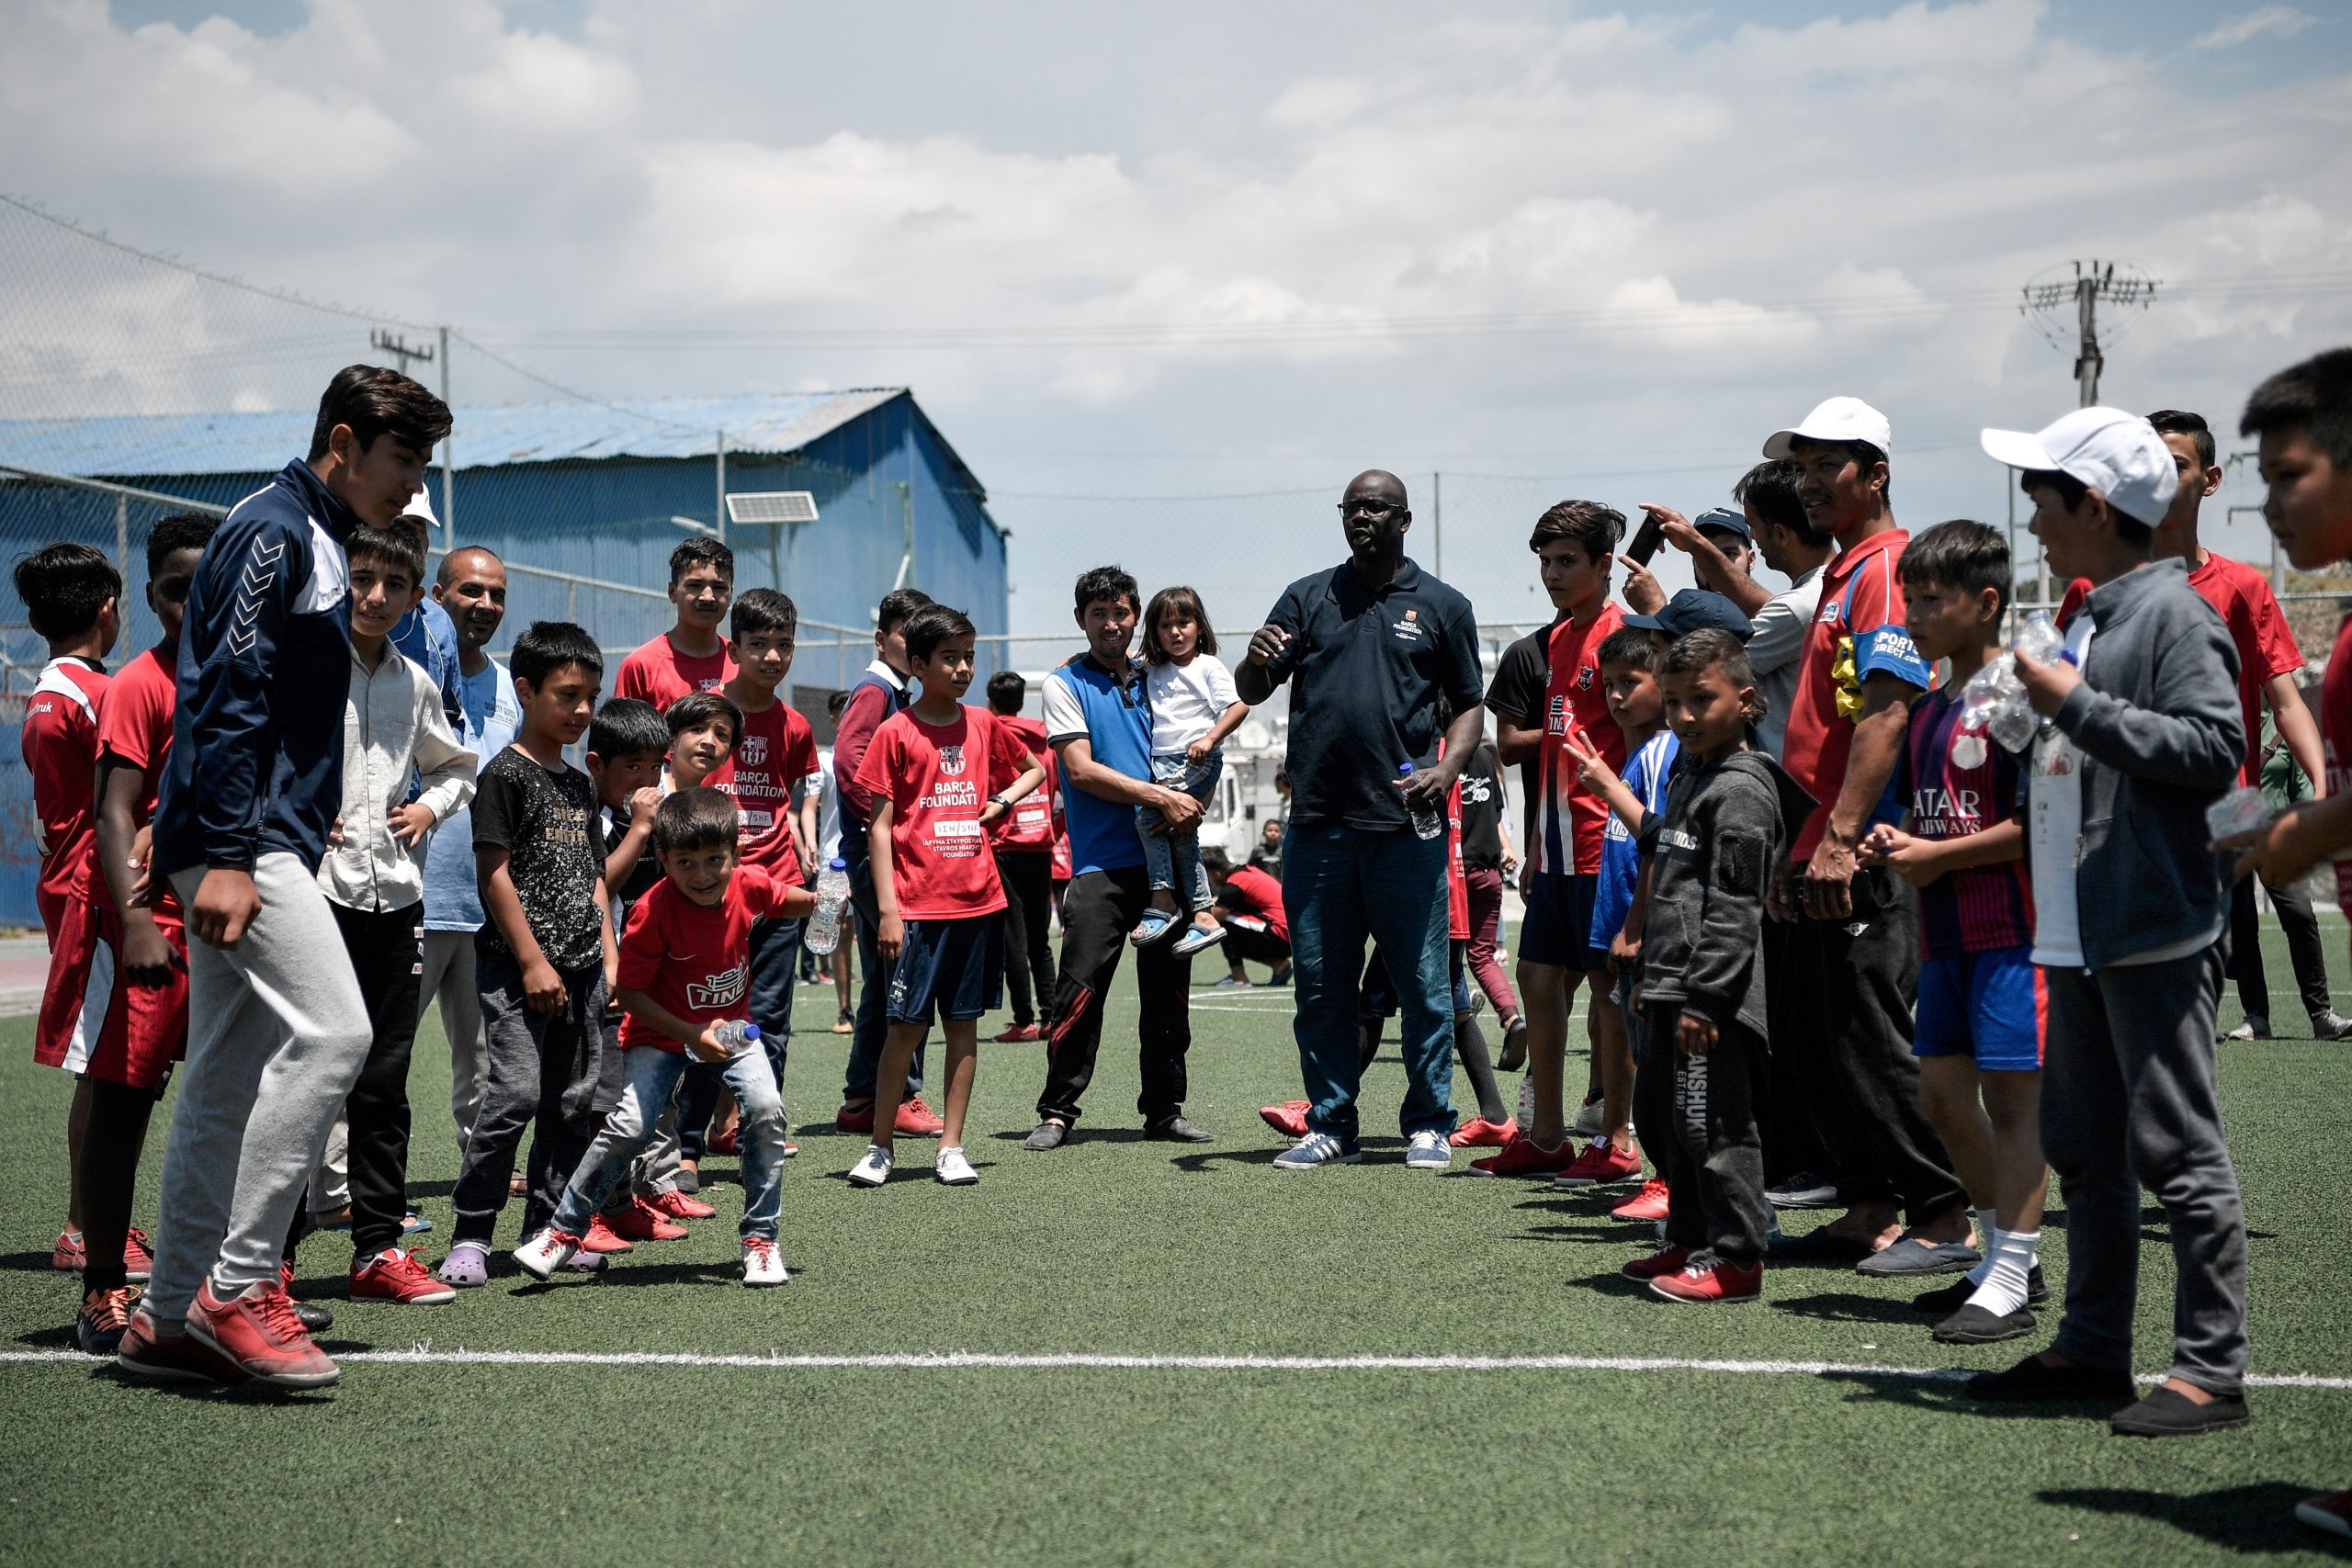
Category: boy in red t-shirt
[691,656]
[684,969]
[935,876]
[72,595]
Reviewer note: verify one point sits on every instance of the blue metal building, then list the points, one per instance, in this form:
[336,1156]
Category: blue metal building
[583,501]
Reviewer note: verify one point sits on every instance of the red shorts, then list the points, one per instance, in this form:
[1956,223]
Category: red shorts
[91,1021]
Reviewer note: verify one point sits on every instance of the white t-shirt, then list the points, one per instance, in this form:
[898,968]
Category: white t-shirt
[1776,653]
[828,809]
[1186,701]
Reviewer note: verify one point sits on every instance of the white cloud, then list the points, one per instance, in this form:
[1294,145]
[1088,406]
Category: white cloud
[2265,21]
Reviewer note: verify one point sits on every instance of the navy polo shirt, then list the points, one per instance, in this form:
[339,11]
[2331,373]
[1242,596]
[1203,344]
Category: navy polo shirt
[1365,665]
[1080,700]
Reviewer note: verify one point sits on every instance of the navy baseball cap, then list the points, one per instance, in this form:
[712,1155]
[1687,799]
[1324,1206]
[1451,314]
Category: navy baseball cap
[1725,519]
[1696,609]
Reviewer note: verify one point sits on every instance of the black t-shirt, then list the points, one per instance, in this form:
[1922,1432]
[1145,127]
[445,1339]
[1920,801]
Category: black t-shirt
[1521,677]
[1482,810]
[1367,665]
[545,820]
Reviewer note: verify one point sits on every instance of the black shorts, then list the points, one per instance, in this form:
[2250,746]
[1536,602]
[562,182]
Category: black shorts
[954,969]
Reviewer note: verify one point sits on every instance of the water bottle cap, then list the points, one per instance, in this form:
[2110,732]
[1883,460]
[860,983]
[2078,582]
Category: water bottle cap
[1404,767]
[750,1032]
[838,864]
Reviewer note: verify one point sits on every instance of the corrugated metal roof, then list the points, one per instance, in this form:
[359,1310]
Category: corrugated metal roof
[125,446]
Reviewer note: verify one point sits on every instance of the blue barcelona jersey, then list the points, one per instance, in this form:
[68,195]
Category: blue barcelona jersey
[1954,779]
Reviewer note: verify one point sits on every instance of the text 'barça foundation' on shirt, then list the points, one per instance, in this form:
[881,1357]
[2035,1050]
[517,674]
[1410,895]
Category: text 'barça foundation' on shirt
[59,744]
[1570,817]
[694,959]
[1083,701]
[1029,826]
[937,778]
[1955,782]
[1366,663]
[1857,632]
[776,755]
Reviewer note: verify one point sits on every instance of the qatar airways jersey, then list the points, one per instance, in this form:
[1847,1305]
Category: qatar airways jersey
[59,744]
[1955,782]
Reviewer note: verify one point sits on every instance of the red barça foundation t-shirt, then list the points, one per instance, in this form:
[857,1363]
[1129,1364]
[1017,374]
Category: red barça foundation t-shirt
[694,959]
[777,752]
[937,778]
[659,674]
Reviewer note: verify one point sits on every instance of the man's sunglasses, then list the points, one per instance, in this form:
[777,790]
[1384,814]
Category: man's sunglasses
[1377,508]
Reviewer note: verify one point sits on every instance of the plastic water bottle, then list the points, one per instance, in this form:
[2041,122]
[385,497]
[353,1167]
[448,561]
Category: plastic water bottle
[832,892]
[736,1035]
[1998,697]
[1425,822]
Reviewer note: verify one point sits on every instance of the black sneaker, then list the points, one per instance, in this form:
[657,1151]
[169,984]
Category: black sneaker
[1045,1136]
[315,1318]
[1806,1189]
[2331,1025]
[2165,1414]
[1176,1130]
[2029,1380]
[1976,1325]
[1950,1298]
[1514,1052]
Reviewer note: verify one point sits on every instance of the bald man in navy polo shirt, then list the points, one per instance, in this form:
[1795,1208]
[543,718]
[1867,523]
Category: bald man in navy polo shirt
[1368,648]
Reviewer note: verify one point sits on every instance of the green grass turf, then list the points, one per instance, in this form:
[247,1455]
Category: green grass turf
[1115,1245]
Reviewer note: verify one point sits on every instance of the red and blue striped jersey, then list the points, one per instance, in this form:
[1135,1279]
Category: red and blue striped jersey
[1956,780]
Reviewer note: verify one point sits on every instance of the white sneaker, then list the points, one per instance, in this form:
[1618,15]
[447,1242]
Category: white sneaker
[1428,1151]
[874,1170]
[762,1264]
[953,1170]
[546,1252]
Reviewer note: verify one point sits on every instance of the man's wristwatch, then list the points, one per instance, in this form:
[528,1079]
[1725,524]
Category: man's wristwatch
[1000,800]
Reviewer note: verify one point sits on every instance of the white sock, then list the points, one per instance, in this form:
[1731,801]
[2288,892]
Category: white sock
[1987,1229]
[2002,1290]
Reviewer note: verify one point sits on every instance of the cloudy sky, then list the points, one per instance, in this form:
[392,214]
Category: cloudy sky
[1239,250]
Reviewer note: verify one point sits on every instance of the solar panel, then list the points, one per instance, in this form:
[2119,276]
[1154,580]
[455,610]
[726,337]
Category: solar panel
[772,506]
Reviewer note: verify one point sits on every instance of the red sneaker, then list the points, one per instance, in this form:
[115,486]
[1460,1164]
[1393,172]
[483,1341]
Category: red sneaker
[917,1120]
[2329,1511]
[396,1276]
[599,1237]
[68,1255]
[1705,1278]
[1480,1133]
[1522,1158]
[677,1205]
[721,1143]
[1649,1203]
[181,1357]
[1660,1262]
[860,1120]
[1602,1164]
[1289,1117]
[257,1329]
[1020,1033]
[642,1221]
[138,1256]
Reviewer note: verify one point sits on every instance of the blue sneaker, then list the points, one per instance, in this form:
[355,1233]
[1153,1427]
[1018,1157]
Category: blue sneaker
[1314,1151]
[1194,939]
[1152,928]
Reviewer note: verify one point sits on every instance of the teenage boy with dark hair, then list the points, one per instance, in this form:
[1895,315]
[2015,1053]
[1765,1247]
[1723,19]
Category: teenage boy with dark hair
[146,1028]
[2130,904]
[1098,719]
[683,968]
[545,954]
[880,692]
[2302,417]
[691,656]
[1547,688]
[2269,665]
[939,774]
[1852,941]
[73,597]
[1024,864]
[393,724]
[277,1028]
[1978,1034]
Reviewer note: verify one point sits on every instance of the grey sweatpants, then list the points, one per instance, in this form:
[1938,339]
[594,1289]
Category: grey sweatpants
[276,1035]
[449,975]
[2128,1101]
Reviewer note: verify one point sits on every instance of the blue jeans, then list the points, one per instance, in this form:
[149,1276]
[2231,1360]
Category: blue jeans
[1173,859]
[652,1076]
[1342,885]
[776,958]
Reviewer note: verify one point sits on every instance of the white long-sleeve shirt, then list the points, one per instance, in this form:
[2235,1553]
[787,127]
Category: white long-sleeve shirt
[393,723]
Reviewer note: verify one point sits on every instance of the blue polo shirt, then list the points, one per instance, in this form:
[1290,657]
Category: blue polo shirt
[1365,665]
[1081,701]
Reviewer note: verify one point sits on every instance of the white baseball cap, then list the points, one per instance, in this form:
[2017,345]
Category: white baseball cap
[1840,419]
[2117,453]
[420,507]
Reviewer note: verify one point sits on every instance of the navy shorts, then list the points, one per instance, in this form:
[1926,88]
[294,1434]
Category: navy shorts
[953,969]
[1992,1006]
[1558,927]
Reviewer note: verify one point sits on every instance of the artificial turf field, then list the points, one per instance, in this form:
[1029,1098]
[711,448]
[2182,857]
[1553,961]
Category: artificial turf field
[1113,1246]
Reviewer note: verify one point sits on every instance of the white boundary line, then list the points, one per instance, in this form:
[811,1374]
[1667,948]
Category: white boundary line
[964,1361]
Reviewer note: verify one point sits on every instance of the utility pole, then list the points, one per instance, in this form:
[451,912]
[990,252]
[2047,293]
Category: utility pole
[2047,299]
[1437,526]
[398,347]
[448,459]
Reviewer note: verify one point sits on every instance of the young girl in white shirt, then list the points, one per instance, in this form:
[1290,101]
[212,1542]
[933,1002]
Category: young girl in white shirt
[1193,709]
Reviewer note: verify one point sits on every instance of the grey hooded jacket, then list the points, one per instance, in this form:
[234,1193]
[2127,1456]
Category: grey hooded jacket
[1726,828]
